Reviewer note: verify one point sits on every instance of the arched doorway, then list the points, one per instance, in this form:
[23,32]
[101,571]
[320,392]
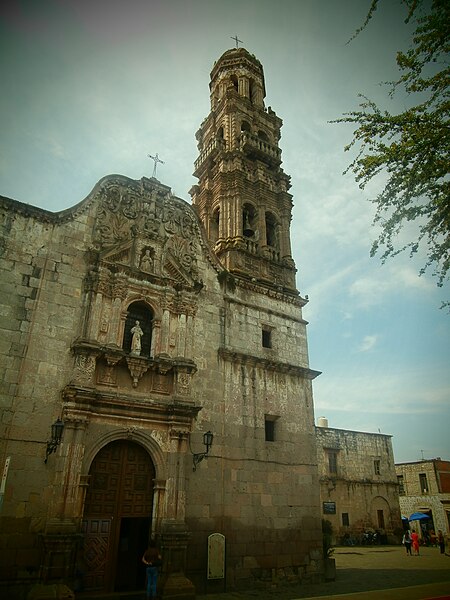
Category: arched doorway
[381,514]
[117,517]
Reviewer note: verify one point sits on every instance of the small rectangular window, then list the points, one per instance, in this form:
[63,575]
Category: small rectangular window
[345,520]
[269,424]
[401,485]
[332,461]
[266,338]
[377,467]
[423,483]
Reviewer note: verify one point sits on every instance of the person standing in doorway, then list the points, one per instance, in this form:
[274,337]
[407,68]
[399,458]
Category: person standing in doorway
[407,542]
[152,558]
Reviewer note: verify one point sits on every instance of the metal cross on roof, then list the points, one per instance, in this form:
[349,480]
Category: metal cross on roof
[237,40]
[156,160]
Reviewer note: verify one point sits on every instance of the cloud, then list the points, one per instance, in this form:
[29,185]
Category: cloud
[368,343]
[389,279]
[375,390]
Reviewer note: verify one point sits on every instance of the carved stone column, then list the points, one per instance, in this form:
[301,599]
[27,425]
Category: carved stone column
[159,490]
[181,345]
[189,336]
[68,502]
[285,240]
[118,317]
[165,333]
[174,535]
[95,316]
[156,338]
[61,539]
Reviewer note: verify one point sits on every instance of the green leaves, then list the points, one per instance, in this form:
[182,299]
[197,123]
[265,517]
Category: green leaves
[411,148]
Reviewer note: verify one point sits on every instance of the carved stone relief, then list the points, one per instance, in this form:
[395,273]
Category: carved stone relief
[141,226]
[184,384]
[84,369]
[147,260]
[160,383]
[137,367]
[107,375]
[128,209]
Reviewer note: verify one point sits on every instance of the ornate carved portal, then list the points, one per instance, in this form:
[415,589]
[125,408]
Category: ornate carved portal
[117,517]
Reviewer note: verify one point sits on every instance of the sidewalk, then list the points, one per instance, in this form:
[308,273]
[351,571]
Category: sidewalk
[431,591]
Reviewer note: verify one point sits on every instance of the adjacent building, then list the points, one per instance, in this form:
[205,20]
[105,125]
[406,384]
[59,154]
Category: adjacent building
[424,486]
[143,328]
[358,483]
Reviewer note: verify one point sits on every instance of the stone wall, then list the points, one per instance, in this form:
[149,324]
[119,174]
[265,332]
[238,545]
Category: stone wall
[363,487]
[42,270]
[68,280]
[436,498]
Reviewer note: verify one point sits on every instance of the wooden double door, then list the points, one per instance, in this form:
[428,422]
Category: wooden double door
[117,517]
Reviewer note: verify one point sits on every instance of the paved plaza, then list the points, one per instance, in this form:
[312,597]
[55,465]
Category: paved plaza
[363,573]
[368,573]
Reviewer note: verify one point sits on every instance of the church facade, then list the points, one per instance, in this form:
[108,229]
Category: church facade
[165,343]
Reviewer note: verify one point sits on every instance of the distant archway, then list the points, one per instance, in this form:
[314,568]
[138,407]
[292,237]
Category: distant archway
[380,513]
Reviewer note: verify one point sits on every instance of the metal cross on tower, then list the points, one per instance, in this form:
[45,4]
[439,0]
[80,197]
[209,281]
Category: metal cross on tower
[156,160]
[237,40]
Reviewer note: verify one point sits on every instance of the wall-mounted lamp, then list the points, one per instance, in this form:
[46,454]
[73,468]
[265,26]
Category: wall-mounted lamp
[53,443]
[199,456]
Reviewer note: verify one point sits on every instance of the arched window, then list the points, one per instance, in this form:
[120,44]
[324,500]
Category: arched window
[249,221]
[252,90]
[219,134]
[263,135]
[234,81]
[214,226]
[245,126]
[139,311]
[271,230]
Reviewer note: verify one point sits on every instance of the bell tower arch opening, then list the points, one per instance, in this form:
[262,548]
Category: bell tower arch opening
[272,231]
[214,226]
[117,517]
[249,224]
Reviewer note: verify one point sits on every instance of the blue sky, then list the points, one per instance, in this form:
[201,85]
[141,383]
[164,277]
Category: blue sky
[91,88]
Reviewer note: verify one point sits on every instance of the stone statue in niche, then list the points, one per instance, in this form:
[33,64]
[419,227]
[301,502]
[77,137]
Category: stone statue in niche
[146,263]
[137,334]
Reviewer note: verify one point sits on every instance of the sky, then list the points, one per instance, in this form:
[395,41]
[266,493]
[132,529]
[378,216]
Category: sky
[90,88]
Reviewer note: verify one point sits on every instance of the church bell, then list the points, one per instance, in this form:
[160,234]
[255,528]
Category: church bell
[248,231]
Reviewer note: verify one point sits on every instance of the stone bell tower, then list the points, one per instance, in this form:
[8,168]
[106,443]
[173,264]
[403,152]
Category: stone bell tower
[242,195]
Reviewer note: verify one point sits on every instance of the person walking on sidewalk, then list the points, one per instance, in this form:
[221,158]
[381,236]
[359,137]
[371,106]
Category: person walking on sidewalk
[407,542]
[415,542]
[441,541]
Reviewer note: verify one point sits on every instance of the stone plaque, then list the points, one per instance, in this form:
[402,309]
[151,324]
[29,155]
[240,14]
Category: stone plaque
[216,556]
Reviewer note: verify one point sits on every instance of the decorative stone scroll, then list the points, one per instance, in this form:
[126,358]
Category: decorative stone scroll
[137,367]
